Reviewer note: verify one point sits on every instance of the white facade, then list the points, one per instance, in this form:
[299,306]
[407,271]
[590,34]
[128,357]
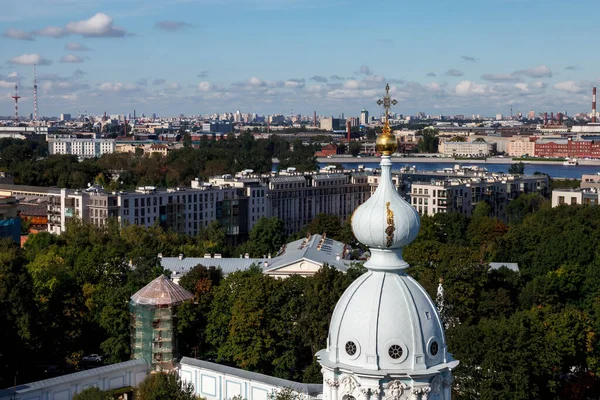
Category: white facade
[83,148]
[218,382]
[574,197]
[128,373]
[466,149]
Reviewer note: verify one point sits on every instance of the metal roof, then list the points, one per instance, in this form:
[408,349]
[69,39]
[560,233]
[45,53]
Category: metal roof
[161,291]
[228,265]
[510,265]
[305,388]
[314,248]
[72,377]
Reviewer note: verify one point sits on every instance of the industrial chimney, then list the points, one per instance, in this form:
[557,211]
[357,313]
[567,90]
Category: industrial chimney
[545,118]
[348,130]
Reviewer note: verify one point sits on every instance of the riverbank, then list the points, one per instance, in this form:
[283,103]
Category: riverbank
[434,160]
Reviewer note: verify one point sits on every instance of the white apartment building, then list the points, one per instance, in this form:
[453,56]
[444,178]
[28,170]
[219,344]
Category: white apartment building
[461,195]
[80,147]
[520,147]
[466,149]
[575,196]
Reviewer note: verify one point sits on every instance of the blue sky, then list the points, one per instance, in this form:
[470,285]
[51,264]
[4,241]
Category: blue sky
[282,56]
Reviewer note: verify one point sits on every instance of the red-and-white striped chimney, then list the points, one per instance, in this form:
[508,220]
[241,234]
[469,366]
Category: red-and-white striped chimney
[594,104]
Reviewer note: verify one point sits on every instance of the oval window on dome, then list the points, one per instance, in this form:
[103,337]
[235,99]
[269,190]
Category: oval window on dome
[434,348]
[395,351]
[351,348]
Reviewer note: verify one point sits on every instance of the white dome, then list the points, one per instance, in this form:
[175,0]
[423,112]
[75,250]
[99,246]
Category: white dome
[386,220]
[386,321]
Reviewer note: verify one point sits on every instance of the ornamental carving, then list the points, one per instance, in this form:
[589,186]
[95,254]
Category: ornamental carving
[332,383]
[394,390]
[348,385]
[448,382]
[370,392]
[389,231]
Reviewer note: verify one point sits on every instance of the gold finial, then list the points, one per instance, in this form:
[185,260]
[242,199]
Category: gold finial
[386,143]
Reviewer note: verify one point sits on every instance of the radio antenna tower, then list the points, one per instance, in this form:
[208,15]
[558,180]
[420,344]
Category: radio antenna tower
[35,108]
[16,97]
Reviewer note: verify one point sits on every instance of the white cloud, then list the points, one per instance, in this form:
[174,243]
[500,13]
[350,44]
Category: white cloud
[454,72]
[351,84]
[254,81]
[99,25]
[434,87]
[76,47]
[18,34]
[30,59]
[540,71]
[500,77]
[173,86]
[205,86]
[6,84]
[51,31]
[467,88]
[569,86]
[295,83]
[116,87]
[70,58]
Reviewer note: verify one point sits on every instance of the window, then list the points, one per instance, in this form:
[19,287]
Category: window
[433,348]
[351,348]
[395,351]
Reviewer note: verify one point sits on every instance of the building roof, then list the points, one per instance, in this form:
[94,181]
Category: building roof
[161,291]
[181,266]
[510,265]
[304,388]
[72,377]
[317,248]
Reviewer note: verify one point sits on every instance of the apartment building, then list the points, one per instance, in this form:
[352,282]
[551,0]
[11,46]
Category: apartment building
[466,149]
[575,196]
[520,147]
[461,195]
[183,210]
[80,147]
[297,199]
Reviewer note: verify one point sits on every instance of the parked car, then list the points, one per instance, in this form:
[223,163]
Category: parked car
[92,358]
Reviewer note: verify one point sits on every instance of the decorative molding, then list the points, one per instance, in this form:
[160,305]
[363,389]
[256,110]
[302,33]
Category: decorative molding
[389,231]
[348,384]
[332,383]
[394,390]
[448,382]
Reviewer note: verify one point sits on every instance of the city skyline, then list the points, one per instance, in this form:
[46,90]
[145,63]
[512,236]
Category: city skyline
[284,56]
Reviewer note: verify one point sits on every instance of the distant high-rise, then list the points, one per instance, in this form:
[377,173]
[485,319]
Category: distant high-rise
[65,117]
[364,117]
[531,115]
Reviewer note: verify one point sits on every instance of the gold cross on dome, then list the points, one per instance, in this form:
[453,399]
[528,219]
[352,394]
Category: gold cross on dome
[387,102]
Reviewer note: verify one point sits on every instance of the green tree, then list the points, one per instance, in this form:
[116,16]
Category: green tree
[92,393]
[517,169]
[429,141]
[266,237]
[165,386]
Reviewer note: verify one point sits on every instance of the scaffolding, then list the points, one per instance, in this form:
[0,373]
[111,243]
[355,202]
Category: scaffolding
[153,322]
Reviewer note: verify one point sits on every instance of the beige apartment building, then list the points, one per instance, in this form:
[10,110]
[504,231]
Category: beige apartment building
[574,197]
[520,147]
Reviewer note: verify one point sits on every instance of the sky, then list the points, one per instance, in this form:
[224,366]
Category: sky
[297,56]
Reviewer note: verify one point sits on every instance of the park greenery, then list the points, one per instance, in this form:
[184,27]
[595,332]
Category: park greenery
[28,162]
[520,335]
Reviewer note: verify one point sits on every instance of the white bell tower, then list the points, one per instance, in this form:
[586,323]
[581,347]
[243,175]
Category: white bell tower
[386,339]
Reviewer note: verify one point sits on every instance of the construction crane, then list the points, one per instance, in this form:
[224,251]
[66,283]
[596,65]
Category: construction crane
[35,104]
